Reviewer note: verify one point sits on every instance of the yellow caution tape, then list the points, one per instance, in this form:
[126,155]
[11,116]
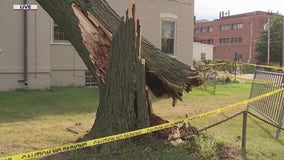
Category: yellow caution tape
[245,79]
[250,64]
[221,63]
[264,66]
[75,146]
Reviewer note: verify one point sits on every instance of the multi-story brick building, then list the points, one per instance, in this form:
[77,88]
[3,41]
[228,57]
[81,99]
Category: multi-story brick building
[233,34]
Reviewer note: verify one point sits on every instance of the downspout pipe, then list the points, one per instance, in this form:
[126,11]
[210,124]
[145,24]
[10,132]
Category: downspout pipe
[25,45]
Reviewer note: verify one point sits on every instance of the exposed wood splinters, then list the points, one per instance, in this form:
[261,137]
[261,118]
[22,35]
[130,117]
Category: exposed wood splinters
[96,38]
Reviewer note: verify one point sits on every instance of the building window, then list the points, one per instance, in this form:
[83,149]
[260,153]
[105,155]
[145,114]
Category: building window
[58,34]
[210,29]
[225,27]
[168,36]
[203,56]
[197,30]
[209,41]
[236,40]
[206,41]
[90,80]
[204,29]
[238,26]
[224,40]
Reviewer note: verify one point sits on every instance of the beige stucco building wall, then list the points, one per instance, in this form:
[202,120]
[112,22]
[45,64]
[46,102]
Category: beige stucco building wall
[58,64]
[67,68]
[200,49]
[12,46]
[49,63]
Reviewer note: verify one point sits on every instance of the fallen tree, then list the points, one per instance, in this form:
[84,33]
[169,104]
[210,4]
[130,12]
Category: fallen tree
[90,26]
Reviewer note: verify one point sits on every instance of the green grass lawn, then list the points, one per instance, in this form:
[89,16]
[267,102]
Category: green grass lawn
[31,120]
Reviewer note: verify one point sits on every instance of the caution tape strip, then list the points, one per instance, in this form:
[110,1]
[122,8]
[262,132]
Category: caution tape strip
[221,63]
[246,79]
[75,146]
[250,64]
[264,66]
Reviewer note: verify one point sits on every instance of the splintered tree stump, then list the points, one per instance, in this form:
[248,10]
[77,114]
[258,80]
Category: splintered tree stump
[123,105]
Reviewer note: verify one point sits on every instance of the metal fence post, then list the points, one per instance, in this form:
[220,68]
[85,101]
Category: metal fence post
[281,119]
[244,134]
[278,131]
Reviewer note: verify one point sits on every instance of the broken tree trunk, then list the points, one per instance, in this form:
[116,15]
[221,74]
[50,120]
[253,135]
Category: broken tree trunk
[90,25]
[123,98]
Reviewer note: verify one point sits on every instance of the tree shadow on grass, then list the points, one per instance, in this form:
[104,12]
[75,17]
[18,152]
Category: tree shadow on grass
[23,105]
[267,131]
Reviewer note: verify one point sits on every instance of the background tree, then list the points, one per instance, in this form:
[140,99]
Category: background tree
[275,42]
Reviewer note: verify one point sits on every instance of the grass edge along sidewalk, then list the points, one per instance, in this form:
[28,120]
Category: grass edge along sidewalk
[75,146]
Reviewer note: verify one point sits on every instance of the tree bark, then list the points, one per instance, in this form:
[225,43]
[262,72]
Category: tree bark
[123,106]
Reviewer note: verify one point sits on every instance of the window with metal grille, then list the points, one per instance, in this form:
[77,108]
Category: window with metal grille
[90,80]
[238,26]
[224,40]
[58,34]
[236,40]
[225,27]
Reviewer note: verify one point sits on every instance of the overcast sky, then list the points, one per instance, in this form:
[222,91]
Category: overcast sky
[209,9]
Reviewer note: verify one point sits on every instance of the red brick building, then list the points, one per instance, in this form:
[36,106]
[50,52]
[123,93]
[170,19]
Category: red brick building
[232,34]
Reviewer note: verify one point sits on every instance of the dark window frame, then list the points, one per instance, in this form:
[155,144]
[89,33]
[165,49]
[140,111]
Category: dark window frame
[58,36]
[168,41]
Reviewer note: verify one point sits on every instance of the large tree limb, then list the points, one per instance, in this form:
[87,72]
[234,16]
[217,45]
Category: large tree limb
[90,25]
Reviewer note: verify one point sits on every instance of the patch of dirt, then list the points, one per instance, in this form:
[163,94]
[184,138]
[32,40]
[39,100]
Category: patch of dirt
[61,156]
[227,153]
